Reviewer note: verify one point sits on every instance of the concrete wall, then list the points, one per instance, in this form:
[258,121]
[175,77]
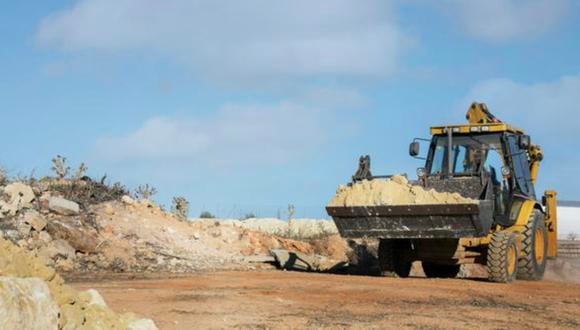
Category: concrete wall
[568,221]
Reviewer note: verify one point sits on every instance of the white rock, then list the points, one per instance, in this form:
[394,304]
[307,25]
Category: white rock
[95,298]
[36,220]
[63,206]
[20,194]
[44,236]
[127,200]
[142,324]
[26,303]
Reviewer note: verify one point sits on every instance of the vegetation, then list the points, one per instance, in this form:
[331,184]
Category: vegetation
[145,191]
[60,167]
[206,215]
[81,171]
[180,208]
[291,211]
[247,216]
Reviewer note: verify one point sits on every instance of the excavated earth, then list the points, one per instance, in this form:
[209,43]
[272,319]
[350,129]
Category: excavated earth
[393,191]
[285,300]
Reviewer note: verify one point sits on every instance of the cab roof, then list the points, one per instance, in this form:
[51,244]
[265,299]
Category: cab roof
[476,128]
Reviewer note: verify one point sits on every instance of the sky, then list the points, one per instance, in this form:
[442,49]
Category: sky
[248,106]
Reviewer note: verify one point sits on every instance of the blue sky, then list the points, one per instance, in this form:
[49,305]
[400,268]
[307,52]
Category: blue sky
[247,106]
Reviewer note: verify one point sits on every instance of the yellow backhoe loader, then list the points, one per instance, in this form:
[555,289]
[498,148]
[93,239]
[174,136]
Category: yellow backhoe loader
[507,227]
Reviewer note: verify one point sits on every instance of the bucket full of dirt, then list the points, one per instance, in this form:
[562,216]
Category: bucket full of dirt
[394,208]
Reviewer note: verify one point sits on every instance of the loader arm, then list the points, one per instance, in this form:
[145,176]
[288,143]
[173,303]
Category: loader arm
[479,114]
[536,156]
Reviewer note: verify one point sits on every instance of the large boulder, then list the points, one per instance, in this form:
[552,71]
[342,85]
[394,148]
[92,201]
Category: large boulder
[26,303]
[19,195]
[80,237]
[63,206]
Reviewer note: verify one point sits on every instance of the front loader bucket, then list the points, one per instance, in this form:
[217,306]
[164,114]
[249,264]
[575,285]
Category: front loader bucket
[414,221]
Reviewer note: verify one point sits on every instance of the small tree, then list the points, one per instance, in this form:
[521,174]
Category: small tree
[180,208]
[291,211]
[572,236]
[206,215]
[81,171]
[247,216]
[145,191]
[60,167]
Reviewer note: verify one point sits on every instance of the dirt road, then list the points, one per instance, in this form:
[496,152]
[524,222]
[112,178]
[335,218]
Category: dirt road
[275,299]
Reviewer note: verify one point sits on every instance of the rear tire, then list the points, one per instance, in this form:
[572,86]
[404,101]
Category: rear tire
[502,257]
[393,261]
[434,270]
[532,262]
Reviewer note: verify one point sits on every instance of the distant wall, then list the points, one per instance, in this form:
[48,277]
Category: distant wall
[568,221]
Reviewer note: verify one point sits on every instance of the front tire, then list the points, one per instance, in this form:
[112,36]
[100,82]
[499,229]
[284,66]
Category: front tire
[502,257]
[393,258]
[532,262]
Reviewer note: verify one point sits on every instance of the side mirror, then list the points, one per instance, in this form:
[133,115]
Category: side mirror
[524,142]
[414,149]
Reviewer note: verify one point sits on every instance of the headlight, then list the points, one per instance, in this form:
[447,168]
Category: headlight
[421,172]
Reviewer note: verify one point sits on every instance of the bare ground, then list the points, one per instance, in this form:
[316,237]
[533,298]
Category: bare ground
[274,299]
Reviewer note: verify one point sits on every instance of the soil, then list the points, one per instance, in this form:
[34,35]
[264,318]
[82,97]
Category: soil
[275,299]
[393,191]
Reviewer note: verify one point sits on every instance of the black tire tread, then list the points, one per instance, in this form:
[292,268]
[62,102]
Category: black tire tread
[527,267]
[497,255]
[390,263]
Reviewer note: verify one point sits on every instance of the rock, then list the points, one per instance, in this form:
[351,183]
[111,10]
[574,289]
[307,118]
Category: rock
[26,303]
[47,254]
[63,206]
[23,229]
[71,230]
[290,260]
[128,200]
[44,237]
[23,308]
[20,196]
[7,209]
[142,324]
[93,297]
[36,220]
[12,235]
[66,265]
[64,249]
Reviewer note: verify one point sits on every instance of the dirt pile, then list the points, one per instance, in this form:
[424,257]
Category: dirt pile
[85,226]
[393,191]
[294,228]
[139,236]
[69,308]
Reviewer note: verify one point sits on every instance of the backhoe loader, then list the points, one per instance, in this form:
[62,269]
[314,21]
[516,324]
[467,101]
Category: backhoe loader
[507,227]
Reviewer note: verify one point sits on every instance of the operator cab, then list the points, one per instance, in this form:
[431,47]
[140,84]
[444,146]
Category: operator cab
[490,165]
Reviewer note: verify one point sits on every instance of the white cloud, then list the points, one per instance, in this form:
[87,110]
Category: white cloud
[548,111]
[253,40]
[543,107]
[334,97]
[501,20]
[233,135]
